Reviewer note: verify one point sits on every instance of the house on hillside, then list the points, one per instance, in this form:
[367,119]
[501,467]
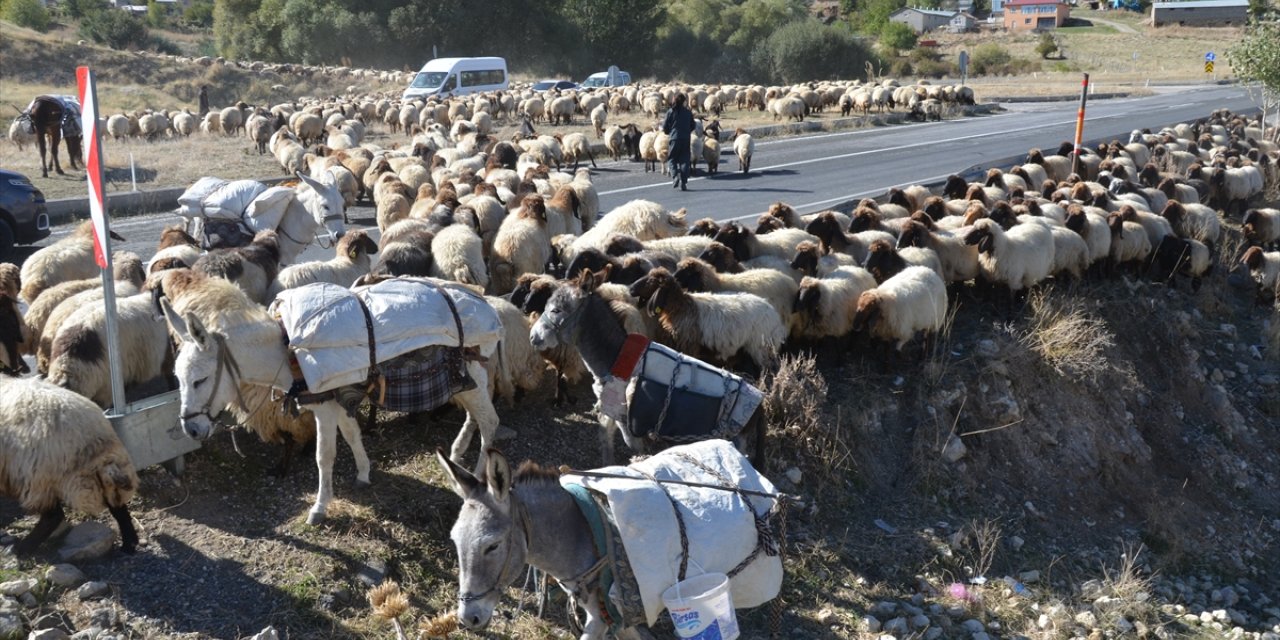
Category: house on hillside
[922,20]
[997,7]
[1200,13]
[962,22]
[1035,15]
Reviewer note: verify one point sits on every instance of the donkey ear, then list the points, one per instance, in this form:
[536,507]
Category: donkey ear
[176,324]
[464,484]
[197,331]
[497,472]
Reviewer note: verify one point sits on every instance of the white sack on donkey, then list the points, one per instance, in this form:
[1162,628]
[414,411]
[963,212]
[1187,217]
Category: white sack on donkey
[617,525]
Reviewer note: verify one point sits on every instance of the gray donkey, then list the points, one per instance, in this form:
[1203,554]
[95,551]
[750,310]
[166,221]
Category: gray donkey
[506,523]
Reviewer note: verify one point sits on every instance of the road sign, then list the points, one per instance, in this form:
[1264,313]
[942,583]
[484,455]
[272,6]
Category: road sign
[1210,57]
[1208,67]
[964,64]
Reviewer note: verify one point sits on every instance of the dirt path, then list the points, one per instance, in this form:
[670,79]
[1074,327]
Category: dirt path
[1118,26]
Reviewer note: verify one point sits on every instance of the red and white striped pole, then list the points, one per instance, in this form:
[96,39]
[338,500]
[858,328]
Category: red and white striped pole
[1084,97]
[88,93]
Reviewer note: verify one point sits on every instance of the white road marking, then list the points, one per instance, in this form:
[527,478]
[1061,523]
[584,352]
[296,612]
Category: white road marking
[854,154]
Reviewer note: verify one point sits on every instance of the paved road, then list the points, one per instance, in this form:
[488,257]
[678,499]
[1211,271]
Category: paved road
[820,171]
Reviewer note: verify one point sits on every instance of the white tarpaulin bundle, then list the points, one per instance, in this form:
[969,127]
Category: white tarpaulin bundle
[218,198]
[720,524]
[327,331]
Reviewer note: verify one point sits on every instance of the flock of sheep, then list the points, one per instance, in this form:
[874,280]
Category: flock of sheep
[505,218]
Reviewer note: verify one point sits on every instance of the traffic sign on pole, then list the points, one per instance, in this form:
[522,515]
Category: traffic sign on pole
[1210,57]
[1208,67]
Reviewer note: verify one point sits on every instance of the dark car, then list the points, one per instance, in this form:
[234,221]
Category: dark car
[23,217]
[558,85]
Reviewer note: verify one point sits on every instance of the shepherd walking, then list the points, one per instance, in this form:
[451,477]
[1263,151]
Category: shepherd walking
[679,126]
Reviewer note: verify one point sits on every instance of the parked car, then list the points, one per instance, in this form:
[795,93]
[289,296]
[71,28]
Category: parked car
[23,216]
[558,85]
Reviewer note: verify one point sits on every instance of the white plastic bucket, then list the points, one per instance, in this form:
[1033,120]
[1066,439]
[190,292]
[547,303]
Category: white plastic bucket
[702,608]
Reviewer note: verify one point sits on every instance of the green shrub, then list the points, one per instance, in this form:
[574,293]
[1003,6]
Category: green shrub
[935,69]
[989,58]
[901,68]
[1047,45]
[116,29]
[897,36]
[809,50]
[27,13]
[925,54]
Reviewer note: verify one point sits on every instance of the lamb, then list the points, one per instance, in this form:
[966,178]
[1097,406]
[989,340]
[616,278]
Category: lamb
[833,239]
[743,147]
[252,268]
[717,324]
[1264,267]
[523,245]
[912,301]
[458,254]
[1018,258]
[1195,221]
[825,306]
[884,261]
[776,288]
[70,258]
[57,449]
[1261,226]
[746,244]
[351,260]
[78,358]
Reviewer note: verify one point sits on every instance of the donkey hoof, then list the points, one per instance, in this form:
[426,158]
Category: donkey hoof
[315,517]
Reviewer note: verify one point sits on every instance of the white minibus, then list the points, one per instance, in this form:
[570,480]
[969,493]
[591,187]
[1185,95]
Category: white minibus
[445,77]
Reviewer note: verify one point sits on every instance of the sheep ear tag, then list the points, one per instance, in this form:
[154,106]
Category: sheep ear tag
[352,252]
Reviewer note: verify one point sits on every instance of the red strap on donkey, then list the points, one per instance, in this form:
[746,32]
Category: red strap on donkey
[629,356]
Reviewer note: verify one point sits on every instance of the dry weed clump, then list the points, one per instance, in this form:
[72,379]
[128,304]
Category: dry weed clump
[794,397]
[1066,336]
[1123,592]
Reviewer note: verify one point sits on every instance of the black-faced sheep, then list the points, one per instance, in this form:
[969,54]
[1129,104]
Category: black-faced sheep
[779,290]
[747,245]
[1195,221]
[1180,257]
[57,450]
[884,261]
[1018,259]
[718,325]
[825,306]
[1264,267]
[913,301]
[1130,244]
[1261,226]
[811,260]
[959,260]
[833,240]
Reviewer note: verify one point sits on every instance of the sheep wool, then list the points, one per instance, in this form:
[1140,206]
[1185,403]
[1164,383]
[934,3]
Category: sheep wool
[914,300]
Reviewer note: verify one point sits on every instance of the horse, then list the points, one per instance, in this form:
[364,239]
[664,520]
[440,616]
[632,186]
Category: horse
[226,339]
[51,117]
[576,314]
[497,533]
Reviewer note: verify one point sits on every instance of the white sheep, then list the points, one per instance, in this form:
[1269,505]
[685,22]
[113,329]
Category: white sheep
[70,258]
[912,301]
[643,219]
[1194,221]
[774,287]
[516,367]
[1130,243]
[56,450]
[1264,267]
[599,115]
[1018,258]
[614,143]
[744,147]
[521,246]
[825,306]
[576,147]
[232,119]
[117,127]
[184,123]
[747,244]
[457,254]
[717,324]
[1261,226]
[350,262]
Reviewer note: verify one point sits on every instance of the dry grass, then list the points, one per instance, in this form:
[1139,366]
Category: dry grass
[1067,337]
[794,398]
[1125,592]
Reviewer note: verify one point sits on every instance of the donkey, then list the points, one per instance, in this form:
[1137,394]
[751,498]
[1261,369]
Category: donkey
[48,116]
[576,314]
[506,523]
[226,339]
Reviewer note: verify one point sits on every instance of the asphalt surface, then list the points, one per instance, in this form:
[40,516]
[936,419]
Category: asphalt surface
[820,171]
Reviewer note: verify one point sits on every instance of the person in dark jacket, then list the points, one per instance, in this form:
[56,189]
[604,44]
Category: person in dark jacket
[204,100]
[679,125]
